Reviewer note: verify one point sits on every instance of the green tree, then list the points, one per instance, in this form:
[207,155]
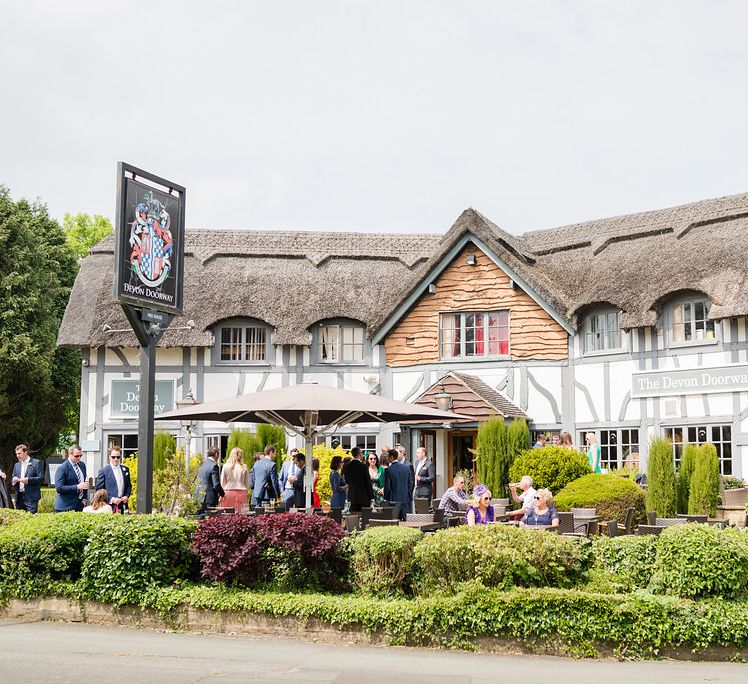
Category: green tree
[517,438]
[661,479]
[246,441]
[491,455]
[83,231]
[39,383]
[683,479]
[704,493]
[164,446]
[275,435]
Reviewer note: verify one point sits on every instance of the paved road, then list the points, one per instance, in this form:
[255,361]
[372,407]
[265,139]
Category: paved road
[60,652]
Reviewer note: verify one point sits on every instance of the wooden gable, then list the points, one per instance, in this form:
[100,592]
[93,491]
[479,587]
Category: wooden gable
[533,333]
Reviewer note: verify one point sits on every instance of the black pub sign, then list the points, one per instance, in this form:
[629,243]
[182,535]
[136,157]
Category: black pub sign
[149,248]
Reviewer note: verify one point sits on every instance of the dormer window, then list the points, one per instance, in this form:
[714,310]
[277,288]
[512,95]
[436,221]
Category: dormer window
[602,331]
[243,341]
[689,321]
[340,343]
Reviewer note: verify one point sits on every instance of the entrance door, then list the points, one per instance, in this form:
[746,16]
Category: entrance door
[461,444]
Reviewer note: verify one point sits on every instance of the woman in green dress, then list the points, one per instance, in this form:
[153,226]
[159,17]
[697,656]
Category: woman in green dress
[593,451]
[376,473]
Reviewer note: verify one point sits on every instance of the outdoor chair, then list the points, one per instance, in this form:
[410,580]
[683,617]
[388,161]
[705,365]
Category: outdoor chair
[566,525]
[439,516]
[396,506]
[612,528]
[368,514]
[423,505]
[336,514]
[435,503]
[383,523]
[419,517]
[667,522]
[500,502]
[693,518]
[649,529]
[352,522]
[499,509]
[626,528]
[651,517]
[585,526]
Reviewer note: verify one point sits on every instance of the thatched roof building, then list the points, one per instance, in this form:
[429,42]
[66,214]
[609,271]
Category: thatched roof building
[290,280]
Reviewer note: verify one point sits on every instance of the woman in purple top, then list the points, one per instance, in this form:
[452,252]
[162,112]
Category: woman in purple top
[481,511]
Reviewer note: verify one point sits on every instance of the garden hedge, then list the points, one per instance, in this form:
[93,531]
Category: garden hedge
[499,556]
[550,467]
[611,495]
[292,550]
[624,563]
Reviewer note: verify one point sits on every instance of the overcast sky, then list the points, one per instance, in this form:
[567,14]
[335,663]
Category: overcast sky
[377,116]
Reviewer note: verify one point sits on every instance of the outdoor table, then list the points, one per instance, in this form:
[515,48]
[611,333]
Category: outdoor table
[718,521]
[424,527]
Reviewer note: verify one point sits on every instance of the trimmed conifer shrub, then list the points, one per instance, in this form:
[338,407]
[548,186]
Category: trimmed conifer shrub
[490,452]
[661,479]
[704,491]
[683,479]
[164,445]
[517,439]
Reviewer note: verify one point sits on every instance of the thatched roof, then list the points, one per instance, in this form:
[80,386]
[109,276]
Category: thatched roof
[291,280]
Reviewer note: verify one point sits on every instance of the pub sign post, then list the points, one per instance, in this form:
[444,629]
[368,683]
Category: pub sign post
[148,284]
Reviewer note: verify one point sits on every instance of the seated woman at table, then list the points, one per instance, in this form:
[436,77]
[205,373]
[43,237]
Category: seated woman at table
[544,513]
[481,510]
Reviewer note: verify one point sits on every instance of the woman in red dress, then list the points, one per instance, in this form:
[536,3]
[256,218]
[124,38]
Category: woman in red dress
[315,497]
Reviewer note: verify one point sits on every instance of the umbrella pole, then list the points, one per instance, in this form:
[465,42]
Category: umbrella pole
[308,474]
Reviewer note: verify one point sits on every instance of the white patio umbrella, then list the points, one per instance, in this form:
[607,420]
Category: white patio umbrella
[309,409]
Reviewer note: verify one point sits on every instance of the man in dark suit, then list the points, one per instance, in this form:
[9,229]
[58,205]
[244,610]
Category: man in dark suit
[265,474]
[115,478]
[71,483]
[27,480]
[299,496]
[209,488]
[399,483]
[356,474]
[425,474]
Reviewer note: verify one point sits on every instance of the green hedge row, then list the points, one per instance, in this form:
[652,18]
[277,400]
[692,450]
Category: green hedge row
[112,558]
[570,621]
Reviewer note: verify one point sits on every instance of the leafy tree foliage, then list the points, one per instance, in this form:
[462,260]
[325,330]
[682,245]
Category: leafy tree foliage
[83,231]
[39,383]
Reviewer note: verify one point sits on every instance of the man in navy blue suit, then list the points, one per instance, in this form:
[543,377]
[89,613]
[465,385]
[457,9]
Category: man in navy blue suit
[27,480]
[71,483]
[265,478]
[398,483]
[115,478]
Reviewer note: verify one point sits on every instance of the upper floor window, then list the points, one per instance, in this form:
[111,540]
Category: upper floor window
[243,341]
[689,321]
[474,335]
[341,343]
[601,331]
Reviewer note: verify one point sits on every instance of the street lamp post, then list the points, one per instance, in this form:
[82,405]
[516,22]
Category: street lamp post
[187,424]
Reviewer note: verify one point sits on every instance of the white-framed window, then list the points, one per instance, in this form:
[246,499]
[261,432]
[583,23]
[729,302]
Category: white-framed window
[719,435]
[618,446]
[243,343]
[688,321]
[127,442]
[468,335]
[340,343]
[602,331]
[366,442]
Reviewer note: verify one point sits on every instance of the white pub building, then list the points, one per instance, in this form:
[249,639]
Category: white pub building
[633,327]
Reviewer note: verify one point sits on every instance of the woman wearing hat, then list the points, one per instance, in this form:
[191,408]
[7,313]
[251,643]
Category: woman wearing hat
[481,510]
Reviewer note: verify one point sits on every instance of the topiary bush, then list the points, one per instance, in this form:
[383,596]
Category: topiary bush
[700,560]
[683,478]
[626,563]
[491,454]
[382,560]
[661,479]
[550,467]
[37,550]
[128,555]
[609,494]
[499,556]
[703,496]
[287,551]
